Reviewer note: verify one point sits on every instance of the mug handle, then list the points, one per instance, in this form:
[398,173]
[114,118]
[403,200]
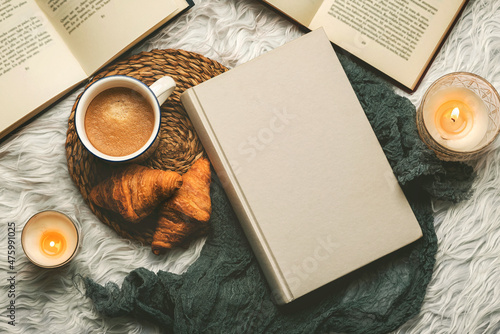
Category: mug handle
[162,88]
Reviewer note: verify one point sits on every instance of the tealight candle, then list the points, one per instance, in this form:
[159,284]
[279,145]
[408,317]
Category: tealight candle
[50,239]
[456,118]
[459,116]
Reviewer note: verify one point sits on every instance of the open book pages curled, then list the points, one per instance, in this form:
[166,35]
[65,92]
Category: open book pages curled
[397,37]
[48,47]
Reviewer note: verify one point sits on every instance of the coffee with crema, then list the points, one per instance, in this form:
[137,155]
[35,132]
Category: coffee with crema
[119,121]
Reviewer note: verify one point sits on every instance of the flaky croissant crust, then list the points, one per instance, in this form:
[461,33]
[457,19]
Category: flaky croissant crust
[135,191]
[186,214]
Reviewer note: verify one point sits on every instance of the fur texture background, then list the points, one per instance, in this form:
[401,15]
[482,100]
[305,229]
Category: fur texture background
[463,296]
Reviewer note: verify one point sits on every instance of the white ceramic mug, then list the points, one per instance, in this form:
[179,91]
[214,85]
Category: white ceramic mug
[155,95]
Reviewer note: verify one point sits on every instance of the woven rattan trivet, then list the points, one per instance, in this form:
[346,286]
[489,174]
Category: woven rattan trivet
[179,145]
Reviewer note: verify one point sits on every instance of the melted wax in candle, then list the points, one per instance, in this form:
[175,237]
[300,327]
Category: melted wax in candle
[454,120]
[53,243]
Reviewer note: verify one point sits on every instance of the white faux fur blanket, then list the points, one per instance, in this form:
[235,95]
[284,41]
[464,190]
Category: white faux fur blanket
[463,296]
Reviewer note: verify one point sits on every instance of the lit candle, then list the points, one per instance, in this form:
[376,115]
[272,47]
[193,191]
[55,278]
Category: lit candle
[456,118]
[50,239]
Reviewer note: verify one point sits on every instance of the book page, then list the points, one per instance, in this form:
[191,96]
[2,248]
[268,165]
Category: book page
[35,64]
[398,37]
[97,31]
[301,11]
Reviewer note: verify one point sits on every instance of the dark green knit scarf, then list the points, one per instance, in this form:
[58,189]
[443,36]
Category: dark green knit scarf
[224,291]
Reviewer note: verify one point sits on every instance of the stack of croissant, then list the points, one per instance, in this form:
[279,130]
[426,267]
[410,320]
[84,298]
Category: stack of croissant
[183,201]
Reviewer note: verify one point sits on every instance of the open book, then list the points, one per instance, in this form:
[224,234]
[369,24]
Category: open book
[48,47]
[397,37]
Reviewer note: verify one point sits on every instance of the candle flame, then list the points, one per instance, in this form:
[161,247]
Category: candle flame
[454,114]
[53,243]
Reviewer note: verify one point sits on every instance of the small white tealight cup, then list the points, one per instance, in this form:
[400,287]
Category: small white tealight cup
[50,239]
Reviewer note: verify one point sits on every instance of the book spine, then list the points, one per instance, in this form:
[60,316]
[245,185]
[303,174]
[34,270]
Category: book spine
[279,288]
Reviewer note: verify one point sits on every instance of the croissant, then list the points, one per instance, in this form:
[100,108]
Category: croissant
[135,191]
[186,214]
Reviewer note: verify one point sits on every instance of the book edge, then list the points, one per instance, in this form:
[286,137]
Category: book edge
[280,290]
[438,46]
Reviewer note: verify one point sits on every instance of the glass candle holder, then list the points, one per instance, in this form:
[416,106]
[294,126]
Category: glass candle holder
[459,116]
[50,239]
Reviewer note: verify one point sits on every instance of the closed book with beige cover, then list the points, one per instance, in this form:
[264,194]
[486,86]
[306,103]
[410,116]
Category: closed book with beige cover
[301,166]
